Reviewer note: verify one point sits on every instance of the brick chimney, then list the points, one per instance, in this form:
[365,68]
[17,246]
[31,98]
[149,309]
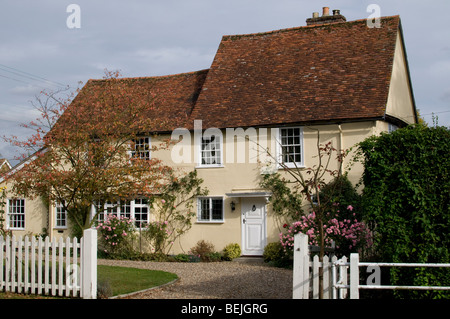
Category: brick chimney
[326,18]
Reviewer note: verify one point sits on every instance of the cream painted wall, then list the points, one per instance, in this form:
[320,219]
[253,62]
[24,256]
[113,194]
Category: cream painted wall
[36,215]
[400,101]
[233,176]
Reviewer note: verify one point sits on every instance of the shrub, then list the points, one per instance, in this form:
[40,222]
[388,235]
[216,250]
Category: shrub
[349,235]
[406,198]
[203,249]
[231,251]
[273,252]
[185,258]
[104,290]
[157,233]
[114,234]
[214,256]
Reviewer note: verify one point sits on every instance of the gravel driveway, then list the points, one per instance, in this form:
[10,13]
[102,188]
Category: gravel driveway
[217,280]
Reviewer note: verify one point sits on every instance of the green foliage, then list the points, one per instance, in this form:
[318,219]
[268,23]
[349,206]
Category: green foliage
[275,254]
[204,250]
[407,199]
[338,195]
[3,231]
[115,236]
[231,251]
[186,258]
[273,251]
[286,203]
[174,212]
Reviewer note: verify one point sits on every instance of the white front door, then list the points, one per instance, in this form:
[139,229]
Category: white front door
[253,220]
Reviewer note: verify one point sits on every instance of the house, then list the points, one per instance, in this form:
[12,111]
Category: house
[349,80]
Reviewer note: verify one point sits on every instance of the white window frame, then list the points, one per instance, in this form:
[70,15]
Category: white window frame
[210,213]
[281,162]
[135,205]
[10,214]
[147,148]
[217,134]
[119,211]
[59,209]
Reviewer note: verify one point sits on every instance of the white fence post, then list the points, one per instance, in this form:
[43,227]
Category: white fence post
[354,276]
[89,264]
[301,267]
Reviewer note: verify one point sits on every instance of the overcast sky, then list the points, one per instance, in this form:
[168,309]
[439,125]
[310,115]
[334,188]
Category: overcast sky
[147,38]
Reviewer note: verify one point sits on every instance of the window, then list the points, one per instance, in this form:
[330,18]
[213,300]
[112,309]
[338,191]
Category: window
[291,146]
[16,213]
[210,209]
[211,151]
[392,127]
[61,216]
[137,209]
[141,148]
[140,212]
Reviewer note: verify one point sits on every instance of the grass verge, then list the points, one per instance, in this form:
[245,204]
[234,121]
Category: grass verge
[114,281]
[123,280]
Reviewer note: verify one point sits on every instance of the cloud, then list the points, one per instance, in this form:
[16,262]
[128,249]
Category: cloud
[27,90]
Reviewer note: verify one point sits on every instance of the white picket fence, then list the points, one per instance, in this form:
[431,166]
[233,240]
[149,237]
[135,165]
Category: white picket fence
[341,278]
[58,267]
[306,273]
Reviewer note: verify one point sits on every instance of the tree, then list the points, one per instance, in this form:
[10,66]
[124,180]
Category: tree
[80,148]
[308,182]
[406,198]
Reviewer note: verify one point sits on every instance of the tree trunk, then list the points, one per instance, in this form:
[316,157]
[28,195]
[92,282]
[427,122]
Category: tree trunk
[321,254]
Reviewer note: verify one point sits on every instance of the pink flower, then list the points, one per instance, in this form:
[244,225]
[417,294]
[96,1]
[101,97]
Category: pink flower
[350,207]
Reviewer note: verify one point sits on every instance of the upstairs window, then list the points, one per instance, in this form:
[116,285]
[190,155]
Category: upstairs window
[211,151]
[291,146]
[141,148]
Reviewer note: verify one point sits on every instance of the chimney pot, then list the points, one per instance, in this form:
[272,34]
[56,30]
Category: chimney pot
[326,18]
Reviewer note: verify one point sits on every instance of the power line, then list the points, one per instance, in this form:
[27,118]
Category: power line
[28,76]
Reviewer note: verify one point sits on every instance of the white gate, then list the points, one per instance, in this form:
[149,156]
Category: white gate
[57,268]
[341,278]
[306,272]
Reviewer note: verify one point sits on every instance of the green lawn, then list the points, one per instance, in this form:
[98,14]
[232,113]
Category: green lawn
[114,281]
[124,280]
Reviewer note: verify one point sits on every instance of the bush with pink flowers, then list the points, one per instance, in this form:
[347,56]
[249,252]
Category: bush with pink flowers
[348,234]
[115,235]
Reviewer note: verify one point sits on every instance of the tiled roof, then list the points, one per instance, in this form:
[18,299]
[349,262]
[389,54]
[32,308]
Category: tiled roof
[315,73]
[331,72]
[170,99]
